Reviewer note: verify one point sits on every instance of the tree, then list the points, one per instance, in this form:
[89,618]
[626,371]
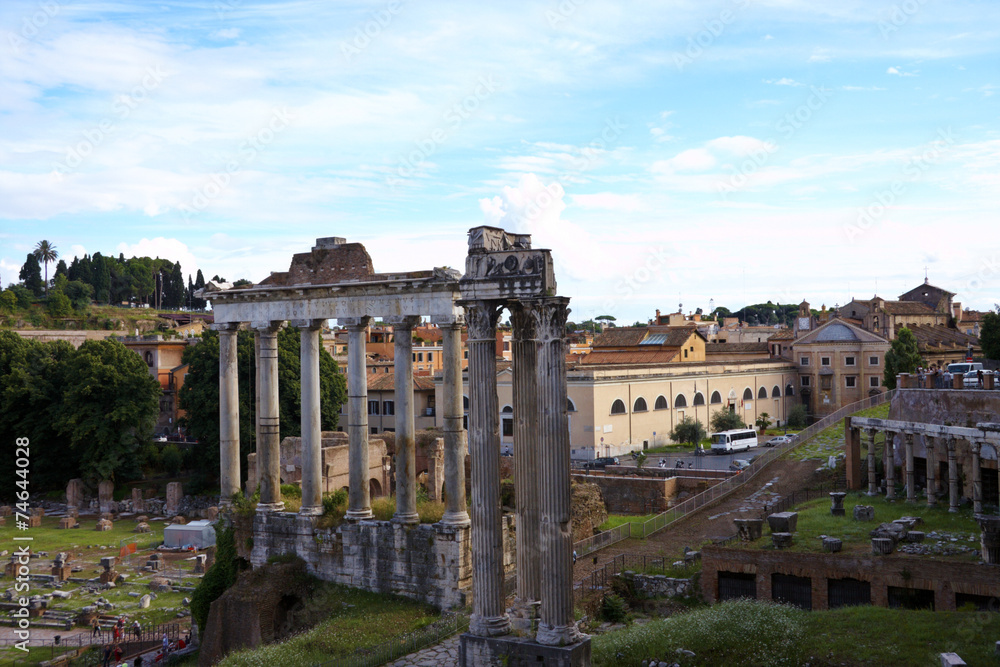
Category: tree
[763,421]
[100,277]
[797,417]
[46,252]
[989,336]
[59,305]
[903,357]
[724,420]
[8,301]
[689,430]
[31,274]
[199,396]
[61,269]
[23,295]
[640,460]
[79,293]
[174,293]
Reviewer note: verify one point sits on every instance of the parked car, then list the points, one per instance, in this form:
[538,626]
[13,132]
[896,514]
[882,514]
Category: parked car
[601,463]
[739,465]
[779,440]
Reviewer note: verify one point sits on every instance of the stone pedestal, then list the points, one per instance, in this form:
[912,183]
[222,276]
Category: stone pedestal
[138,503]
[783,522]
[475,651]
[990,538]
[749,530]
[67,522]
[883,545]
[175,492]
[74,495]
[781,540]
[837,503]
[105,495]
[832,545]
[864,513]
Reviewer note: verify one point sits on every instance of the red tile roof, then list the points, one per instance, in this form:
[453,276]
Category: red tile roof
[387,382]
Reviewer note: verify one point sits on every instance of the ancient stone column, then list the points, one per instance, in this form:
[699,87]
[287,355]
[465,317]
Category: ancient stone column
[406,443]
[953,499]
[557,625]
[526,481]
[455,446]
[890,465]
[931,471]
[911,486]
[872,477]
[229,412]
[268,447]
[358,495]
[488,616]
[253,484]
[977,478]
[312,436]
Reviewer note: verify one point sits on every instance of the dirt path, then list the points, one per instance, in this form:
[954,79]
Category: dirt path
[779,480]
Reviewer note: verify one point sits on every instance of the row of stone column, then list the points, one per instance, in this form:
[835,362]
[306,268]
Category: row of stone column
[268,436]
[541,465]
[909,469]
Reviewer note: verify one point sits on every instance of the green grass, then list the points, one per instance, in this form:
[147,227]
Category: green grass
[615,520]
[815,520]
[357,620]
[754,633]
[830,441]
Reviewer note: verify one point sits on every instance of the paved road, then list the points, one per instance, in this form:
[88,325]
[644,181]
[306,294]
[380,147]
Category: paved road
[704,462]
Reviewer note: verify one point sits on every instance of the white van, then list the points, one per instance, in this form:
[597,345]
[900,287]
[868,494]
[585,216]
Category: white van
[736,440]
[969,369]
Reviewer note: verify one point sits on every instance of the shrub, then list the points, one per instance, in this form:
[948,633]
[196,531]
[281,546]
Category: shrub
[220,576]
[331,501]
[724,420]
[172,459]
[614,609]
[291,490]
[8,301]
[59,305]
[797,417]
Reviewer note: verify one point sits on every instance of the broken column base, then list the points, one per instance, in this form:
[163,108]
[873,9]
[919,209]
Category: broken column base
[510,651]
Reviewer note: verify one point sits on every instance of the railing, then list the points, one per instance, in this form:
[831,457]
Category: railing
[599,580]
[150,638]
[715,493]
[405,645]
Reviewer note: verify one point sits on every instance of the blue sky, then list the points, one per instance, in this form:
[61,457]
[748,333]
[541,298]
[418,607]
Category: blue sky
[667,152]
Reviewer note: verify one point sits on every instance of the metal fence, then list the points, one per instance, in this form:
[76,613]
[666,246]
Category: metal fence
[398,647]
[600,579]
[48,649]
[719,491]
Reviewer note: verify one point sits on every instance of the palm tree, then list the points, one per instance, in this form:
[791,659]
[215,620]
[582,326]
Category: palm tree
[46,252]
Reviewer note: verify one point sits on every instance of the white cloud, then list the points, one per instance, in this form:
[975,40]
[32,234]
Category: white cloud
[693,159]
[898,72]
[784,81]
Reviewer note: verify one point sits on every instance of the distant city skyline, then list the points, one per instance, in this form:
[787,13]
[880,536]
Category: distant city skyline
[679,152]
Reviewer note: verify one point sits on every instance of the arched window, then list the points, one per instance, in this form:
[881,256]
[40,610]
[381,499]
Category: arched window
[618,407]
[762,392]
[747,394]
[699,399]
[465,403]
[716,397]
[680,401]
[569,405]
[789,390]
[639,405]
[661,403]
[775,391]
[507,421]
[507,409]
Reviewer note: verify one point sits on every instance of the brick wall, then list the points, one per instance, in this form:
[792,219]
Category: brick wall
[944,577]
[644,495]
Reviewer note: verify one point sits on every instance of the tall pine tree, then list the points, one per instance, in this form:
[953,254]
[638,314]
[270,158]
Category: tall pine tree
[31,275]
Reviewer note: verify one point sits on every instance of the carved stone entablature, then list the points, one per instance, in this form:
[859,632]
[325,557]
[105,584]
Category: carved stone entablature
[493,239]
[508,274]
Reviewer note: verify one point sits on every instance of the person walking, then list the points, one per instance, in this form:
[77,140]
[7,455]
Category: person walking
[107,655]
[96,628]
[137,630]
[166,645]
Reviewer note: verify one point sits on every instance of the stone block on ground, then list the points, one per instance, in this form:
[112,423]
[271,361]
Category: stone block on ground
[180,520]
[34,521]
[67,522]
[212,513]
[893,531]
[915,536]
[951,660]
[783,522]
[837,503]
[781,540]
[105,495]
[832,544]
[74,493]
[749,530]
[104,525]
[883,545]
[142,528]
[864,513]
[144,601]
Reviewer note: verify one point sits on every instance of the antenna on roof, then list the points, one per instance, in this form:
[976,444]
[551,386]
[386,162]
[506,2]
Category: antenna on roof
[926,280]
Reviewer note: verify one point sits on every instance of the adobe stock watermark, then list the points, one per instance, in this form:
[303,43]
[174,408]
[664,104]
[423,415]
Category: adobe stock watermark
[246,153]
[899,15]
[365,32]
[984,279]
[913,170]
[788,125]
[453,118]
[563,11]
[711,30]
[32,25]
[121,108]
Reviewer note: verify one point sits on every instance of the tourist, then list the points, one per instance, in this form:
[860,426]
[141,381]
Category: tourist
[107,655]
[137,630]
[118,653]
[96,625]
[166,645]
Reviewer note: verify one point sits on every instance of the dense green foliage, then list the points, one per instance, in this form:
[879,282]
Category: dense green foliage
[220,576]
[31,275]
[797,417]
[763,422]
[86,412]
[200,394]
[724,420]
[903,357]
[989,336]
[689,430]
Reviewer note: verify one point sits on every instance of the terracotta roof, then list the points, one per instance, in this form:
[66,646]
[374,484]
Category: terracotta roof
[783,334]
[942,336]
[971,316]
[652,356]
[387,382]
[655,335]
[738,348]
